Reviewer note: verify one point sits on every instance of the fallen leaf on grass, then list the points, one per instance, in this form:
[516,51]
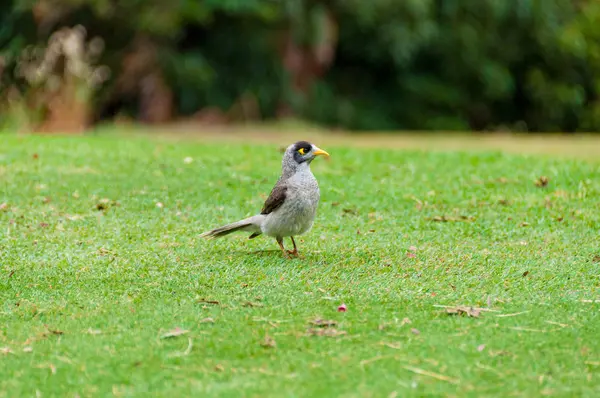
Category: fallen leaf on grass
[174,333]
[204,301]
[542,181]
[596,259]
[105,252]
[323,323]
[268,342]
[525,274]
[329,332]
[5,350]
[55,331]
[501,353]
[353,212]
[105,204]
[453,219]
[251,304]
[464,310]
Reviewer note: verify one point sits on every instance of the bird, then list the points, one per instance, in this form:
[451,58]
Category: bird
[291,207]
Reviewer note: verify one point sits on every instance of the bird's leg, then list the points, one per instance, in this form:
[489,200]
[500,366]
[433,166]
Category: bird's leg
[295,251]
[280,242]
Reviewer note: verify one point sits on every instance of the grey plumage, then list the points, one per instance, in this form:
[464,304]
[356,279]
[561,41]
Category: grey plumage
[291,207]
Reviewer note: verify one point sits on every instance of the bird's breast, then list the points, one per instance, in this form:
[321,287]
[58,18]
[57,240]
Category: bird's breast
[306,190]
[297,213]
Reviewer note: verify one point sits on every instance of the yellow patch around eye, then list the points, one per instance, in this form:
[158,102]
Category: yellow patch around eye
[301,150]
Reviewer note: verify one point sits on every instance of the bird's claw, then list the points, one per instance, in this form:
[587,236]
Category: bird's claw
[293,253]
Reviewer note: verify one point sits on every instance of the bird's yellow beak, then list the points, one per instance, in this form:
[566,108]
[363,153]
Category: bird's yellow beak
[319,152]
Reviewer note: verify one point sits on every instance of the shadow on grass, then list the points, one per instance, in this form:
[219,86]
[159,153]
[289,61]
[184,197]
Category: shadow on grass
[271,253]
[261,253]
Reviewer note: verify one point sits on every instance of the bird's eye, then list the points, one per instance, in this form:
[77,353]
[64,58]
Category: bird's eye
[302,151]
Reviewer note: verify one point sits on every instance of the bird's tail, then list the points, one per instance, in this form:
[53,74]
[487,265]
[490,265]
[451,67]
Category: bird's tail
[250,224]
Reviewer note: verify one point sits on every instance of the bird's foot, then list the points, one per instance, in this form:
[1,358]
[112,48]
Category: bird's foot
[286,254]
[293,253]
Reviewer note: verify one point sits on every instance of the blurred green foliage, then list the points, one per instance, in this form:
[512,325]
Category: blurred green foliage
[527,65]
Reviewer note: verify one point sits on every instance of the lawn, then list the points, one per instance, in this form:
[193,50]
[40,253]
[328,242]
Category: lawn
[106,288]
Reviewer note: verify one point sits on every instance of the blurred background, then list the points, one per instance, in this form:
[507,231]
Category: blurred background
[468,65]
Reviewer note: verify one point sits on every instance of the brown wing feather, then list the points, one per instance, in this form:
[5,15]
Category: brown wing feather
[275,199]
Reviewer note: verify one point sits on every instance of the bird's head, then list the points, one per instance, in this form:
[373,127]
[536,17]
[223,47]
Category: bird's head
[301,154]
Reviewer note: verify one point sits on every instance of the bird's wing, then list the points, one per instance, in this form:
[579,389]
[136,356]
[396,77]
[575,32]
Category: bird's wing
[275,199]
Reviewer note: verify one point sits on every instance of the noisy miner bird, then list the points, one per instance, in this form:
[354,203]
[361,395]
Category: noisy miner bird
[291,207]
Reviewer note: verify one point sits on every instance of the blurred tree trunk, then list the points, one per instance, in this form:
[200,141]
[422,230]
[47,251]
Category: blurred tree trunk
[142,77]
[66,113]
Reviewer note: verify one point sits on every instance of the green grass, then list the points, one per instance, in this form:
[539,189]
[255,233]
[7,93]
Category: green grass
[88,293]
